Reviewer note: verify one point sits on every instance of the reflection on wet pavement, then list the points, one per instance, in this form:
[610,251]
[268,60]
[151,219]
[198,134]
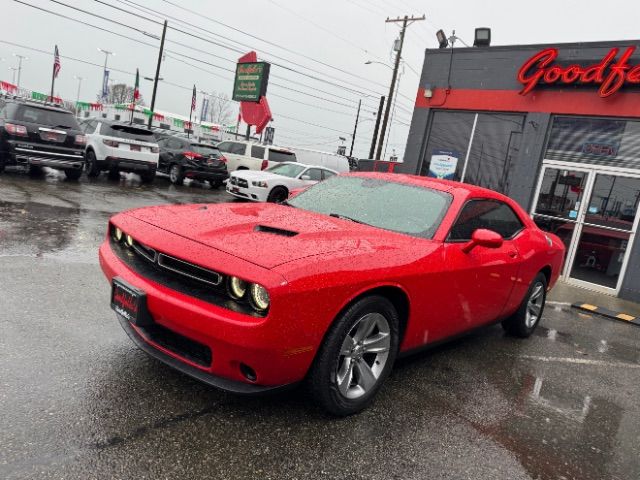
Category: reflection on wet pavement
[78,400]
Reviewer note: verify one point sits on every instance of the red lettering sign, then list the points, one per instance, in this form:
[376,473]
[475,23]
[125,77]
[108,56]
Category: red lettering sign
[610,74]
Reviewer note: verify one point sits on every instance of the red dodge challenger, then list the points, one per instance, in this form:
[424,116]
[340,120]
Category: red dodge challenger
[330,286]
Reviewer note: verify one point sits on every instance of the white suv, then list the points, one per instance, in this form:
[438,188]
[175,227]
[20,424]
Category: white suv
[119,147]
[253,156]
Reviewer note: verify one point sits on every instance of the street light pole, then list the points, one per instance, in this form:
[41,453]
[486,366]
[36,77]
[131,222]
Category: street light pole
[355,129]
[78,95]
[405,22]
[104,71]
[13,78]
[20,58]
[155,80]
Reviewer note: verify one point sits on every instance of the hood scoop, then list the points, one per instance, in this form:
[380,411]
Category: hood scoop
[276,231]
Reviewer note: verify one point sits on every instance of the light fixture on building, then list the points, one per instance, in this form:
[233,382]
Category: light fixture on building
[442,39]
[482,38]
[428,91]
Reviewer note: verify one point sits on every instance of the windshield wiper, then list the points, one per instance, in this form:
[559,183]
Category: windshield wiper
[344,217]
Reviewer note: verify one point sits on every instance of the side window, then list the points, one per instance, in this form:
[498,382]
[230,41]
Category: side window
[232,147]
[315,174]
[490,214]
[257,152]
[327,174]
[174,144]
[223,146]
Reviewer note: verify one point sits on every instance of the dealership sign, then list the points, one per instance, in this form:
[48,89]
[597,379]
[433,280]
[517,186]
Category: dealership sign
[443,164]
[251,81]
[610,74]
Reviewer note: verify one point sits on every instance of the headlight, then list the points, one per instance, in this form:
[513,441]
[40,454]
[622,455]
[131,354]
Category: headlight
[259,183]
[117,234]
[237,288]
[259,297]
[129,240]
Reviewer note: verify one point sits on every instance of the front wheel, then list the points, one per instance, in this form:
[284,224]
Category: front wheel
[91,164]
[525,320]
[278,195]
[356,356]
[175,174]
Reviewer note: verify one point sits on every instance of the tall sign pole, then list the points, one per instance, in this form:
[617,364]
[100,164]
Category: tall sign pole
[375,129]
[405,22]
[355,128]
[155,80]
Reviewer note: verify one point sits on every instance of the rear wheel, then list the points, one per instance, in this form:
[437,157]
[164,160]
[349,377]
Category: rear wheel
[73,174]
[278,195]
[527,317]
[356,356]
[35,170]
[91,164]
[114,174]
[148,177]
[175,174]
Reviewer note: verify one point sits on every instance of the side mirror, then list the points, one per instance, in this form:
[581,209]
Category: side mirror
[484,238]
[305,177]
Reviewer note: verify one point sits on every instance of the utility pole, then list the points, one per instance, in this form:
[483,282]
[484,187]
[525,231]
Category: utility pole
[355,128]
[375,129]
[405,22]
[155,80]
[78,96]
[20,58]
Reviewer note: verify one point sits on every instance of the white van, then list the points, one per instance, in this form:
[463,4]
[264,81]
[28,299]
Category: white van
[242,155]
[336,162]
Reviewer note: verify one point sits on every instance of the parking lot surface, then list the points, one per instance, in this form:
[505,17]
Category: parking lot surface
[79,400]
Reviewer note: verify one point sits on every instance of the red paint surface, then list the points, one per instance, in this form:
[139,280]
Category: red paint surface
[312,276]
[567,101]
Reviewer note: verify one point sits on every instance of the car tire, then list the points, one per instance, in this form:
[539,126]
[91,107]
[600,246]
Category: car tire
[175,174]
[346,374]
[525,320]
[114,174]
[215,183]
[2,162]
[148,177]
[91,164]
[73,174]
[35,171]
[278,195]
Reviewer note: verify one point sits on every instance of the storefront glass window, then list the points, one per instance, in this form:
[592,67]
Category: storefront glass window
[596,141]
[493,147]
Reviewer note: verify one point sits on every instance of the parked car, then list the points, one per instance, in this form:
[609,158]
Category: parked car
[184,158]
[120,147]
[253,156]
[339,163]
[37,134]
[370,165]
[275,183]
[329,287]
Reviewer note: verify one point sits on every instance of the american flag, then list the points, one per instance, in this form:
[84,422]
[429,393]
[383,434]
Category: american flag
[193,99]
[56,63]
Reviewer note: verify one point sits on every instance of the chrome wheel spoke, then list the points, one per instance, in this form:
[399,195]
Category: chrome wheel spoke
[365,327]
[378,343]
[345,375]
[347,346]
[366,377]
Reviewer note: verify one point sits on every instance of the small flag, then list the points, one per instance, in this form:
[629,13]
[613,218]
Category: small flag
[193,99]
[136,89]
[56,63]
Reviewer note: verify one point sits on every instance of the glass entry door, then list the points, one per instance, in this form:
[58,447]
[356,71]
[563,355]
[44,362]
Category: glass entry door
[595,213]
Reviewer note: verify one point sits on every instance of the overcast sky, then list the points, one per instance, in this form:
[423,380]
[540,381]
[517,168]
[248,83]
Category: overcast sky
[341,35]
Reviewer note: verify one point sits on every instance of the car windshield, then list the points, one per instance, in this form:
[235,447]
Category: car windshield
[207,150]
[287,170]
[394,206]
[45,116]
[129,132]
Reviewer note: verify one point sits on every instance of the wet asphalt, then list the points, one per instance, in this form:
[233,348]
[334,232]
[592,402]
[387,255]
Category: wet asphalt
[79,401]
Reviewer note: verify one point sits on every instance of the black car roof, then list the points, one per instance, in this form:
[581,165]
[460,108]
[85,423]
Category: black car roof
[35,103]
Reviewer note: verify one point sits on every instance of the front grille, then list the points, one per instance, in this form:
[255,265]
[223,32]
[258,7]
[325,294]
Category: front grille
[178,344]
[181,276]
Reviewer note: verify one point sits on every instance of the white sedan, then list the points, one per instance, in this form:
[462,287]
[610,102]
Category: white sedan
[275,183]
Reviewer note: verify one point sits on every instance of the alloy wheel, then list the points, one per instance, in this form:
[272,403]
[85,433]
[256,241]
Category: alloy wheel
[363,355]
[174,173]
[534,305]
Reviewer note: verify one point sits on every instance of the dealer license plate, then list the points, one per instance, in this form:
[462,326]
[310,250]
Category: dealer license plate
[130,302]
[134,148]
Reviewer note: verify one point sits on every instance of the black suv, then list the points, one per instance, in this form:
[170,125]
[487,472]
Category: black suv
[37,134]
[185,158]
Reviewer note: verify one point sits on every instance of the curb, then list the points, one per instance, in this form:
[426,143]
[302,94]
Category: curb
[605,312]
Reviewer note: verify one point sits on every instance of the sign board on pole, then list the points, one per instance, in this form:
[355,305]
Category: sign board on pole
[105,85]
[443,164]
[269,133]
[251,81]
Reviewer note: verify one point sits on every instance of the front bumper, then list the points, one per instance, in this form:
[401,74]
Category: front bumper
[255,194]
[233,338]
[212,175]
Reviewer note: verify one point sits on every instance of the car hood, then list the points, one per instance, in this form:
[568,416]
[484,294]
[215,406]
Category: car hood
[269,235]
[256,175]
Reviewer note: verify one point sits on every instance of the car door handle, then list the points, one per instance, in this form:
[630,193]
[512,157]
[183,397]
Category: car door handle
[513,253]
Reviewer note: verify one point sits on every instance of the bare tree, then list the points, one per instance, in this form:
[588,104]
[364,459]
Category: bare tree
[120,93]
[220,108]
